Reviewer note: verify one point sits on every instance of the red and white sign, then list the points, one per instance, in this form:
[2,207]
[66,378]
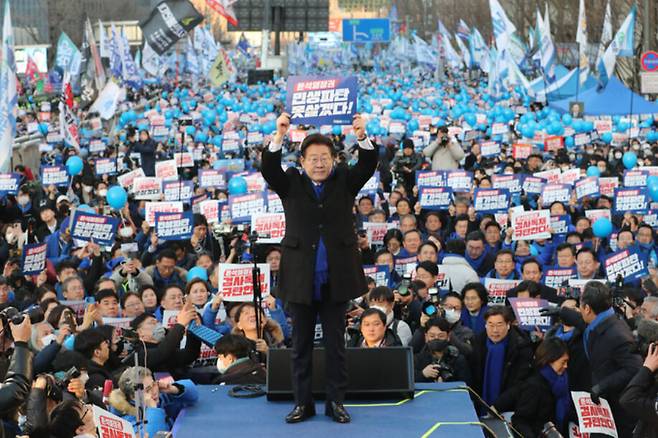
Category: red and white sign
[592,417]
[551,176]
[569,176]
[521,151]
[164,207]
[376,231]
[166,170]
[126,180]
[236,282]
[184,159]
[297,135]
[594,215]
[210,210]
[553,143]
[110,425]
[530,225]
[271,227]
[148,188]
[608,185]
[498,288]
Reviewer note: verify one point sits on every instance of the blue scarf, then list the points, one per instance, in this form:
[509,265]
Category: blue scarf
[321,276]
[560,389]
[561,334]
[476,263]
[475,323]
[592,325]
[493,370]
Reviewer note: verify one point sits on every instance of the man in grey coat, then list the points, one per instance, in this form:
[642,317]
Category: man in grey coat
[445,153]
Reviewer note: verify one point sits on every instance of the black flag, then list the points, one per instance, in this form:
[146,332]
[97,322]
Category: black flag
[169,22]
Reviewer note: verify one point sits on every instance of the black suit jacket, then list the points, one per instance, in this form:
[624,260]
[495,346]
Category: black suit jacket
[308,218]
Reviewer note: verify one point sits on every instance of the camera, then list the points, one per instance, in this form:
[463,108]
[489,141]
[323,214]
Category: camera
[446,364]
[11,314]
[405,287]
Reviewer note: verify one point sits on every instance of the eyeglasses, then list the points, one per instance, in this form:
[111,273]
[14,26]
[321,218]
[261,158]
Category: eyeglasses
[319,160]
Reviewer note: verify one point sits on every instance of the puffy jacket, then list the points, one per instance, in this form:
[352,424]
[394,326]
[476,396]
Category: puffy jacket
[444,158]
[458,271]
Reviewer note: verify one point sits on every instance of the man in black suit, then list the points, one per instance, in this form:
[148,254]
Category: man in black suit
[611,350]
[321,267]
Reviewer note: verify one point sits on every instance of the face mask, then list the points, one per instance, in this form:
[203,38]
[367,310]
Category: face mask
[11,238]
[87,189]
[489,172]
[636,147]
[48,339]
[23,200]
[102,193]
[221,367]
[437,345]
[452,316]
[389,317]
[126,232]
[618,155]
[159,333]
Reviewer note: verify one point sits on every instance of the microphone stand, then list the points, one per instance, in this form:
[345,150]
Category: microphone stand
[139,402]
[255,278]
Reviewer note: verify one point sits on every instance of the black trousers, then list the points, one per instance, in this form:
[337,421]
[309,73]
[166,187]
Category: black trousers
[304,317]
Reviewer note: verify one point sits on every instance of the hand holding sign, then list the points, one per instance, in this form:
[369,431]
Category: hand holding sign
[359,127]
[282,126]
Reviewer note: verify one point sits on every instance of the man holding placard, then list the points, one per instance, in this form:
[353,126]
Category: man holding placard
[321,268]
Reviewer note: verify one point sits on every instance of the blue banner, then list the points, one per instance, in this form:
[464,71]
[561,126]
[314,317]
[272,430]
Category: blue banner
[178,190]
[435,198]
[321,100]
[242,207]
[431,178]
[34,258]
[491,200]
[9,183]
[634,200]
[367,30]
[94,227]
[630,263]
[174,226]
[54,175]
[379,273]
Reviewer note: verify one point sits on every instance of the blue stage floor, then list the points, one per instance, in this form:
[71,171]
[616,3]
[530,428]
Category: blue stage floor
[438,410]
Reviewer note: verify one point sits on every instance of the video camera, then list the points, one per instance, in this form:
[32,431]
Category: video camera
[431,307]
[11,314]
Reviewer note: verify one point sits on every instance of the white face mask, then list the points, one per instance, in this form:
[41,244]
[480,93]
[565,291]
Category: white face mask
[10,237]
[126,232]
[48,339]
[452,316]
[221,367]
[102,193]
[87,189]
[389,315]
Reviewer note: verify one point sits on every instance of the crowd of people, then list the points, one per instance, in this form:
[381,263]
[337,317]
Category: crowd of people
[120,313]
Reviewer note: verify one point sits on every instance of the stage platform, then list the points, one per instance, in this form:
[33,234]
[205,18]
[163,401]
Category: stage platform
[439,410]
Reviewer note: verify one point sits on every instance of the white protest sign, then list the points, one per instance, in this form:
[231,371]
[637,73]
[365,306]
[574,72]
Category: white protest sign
[530,225]
[236,282]
[592,417]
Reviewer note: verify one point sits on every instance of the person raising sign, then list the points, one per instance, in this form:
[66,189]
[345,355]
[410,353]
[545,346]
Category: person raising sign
[321,268]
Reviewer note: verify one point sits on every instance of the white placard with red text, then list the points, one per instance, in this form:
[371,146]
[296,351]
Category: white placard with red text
[272,226]
[166,170]
[165,207]
[530,225]
[110,425]
[236,283]
[592,417]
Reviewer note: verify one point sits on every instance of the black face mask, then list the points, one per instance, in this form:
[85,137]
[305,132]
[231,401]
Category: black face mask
[437,345]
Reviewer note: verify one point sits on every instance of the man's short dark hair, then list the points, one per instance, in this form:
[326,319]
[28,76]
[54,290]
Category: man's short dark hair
[106,293]
[430,244]
[565,245]
[66,418]
[493,224]
[428,266]
[438,322]
[461,217]
[365,197]
[529,261]
[199,219]
[498,310]
[475,235]
[166,254]
[586,250]
[406,233]
[456,246]
[597,296]
[381,293]
[65,264]
[137,322]
[504,252]
[453,295]
[317,139]
[236,345]
[531,286]
[87,341]
[373,311]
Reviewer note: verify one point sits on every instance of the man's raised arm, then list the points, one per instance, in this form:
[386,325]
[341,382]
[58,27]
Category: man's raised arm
[271,162]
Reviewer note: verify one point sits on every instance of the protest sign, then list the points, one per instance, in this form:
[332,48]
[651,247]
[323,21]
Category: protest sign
[274,204]
[255,138]
[166,170]
[174,226]
[635,178]
[372,185]
[126,180]
[530,225]
[595,214]
[9,183]
[106,166]
[629,263]
[560,225]
[527,313]
[96,146]
[184,159]
[552,176]
[255,181]
[608,185]
[435,198]
[594,418]
[379,273]
[297,135]
[34,258]
[555,277]
[533,185]
[459,180]
[490,149]
[94,227]
[178,190]
[236,281]
[513,183]
[163,207]
[147,188]
[521,151]
[430,178]
[587,187]
[375,231]
[499,128]
[271,227]
[634,200]
[555,193]
[321,101]
[212,178]
[110,425]
[498,288]
[405,265]
[553,143]
[651,218]
[581,139]
[211,210]
[569,176]
[491,200]
[242,207]
[228,165]
[54,175]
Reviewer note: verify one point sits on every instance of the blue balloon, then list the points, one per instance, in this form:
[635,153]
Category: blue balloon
[74,166]
[607,137]
[197,272]
[652,187]
[567,119]
[569,142]
[85,208]
[117,197]
[593,171]
[629,159]
[237,185]
[602,227]
[336,130]
[190,130]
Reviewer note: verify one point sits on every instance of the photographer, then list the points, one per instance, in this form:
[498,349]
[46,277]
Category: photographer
[16,385]
[438,361]
[444,152]
[383,298]
[639,397]
[406,165]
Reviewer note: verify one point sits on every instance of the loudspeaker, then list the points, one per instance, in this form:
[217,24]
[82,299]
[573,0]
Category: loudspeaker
[256,76]
[373,373]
